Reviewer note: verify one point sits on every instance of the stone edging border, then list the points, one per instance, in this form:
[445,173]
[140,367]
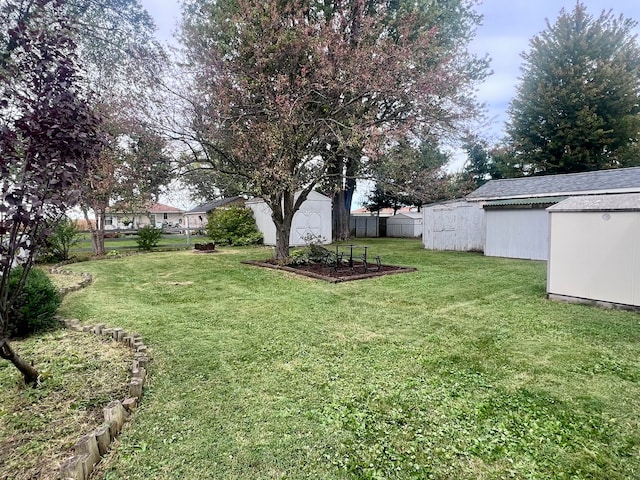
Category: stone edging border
[90,448]
[87,279]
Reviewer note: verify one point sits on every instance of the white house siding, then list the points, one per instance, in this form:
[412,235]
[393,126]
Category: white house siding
[456,225]
[595,255]
[115,221]
[517,233]
[195,220]
[311,221]
[171,219]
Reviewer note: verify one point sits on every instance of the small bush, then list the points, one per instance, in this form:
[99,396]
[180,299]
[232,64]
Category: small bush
[148,237]
[34,309]
[312,253]
[64,235]
[233,226]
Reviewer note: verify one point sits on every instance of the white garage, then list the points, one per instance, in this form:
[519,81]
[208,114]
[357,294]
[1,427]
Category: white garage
[312,220]
[594,250]
[518,228]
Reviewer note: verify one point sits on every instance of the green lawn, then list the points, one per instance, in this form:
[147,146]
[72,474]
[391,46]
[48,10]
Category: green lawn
[129,242]
[461,370]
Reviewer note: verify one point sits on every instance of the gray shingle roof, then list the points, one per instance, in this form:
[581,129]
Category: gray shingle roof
[620,180]
[599,203]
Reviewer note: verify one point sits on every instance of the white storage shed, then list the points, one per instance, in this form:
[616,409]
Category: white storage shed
[312,220]
[406,225]
[453,225]
[517,223]
[518,228]
[594,250]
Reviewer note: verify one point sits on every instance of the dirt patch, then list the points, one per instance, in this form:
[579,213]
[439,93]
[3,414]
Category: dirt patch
[331,274]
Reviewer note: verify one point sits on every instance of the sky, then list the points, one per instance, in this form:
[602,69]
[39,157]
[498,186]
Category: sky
[507,28]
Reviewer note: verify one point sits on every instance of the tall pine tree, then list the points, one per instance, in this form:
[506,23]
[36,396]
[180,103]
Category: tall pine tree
[577,107]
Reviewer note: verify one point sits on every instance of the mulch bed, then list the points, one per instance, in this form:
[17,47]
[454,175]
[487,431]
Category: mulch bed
[330,274]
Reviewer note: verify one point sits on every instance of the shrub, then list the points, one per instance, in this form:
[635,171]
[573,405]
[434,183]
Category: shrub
[64,235]
[34,309]
[148,237]
[233,226]
[312,253]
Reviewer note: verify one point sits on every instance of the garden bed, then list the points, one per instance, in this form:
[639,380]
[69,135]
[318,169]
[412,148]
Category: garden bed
[330,274]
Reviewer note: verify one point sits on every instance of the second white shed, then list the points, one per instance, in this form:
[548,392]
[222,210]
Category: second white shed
[594,250]
[453,225]
[406,224]
[311,221]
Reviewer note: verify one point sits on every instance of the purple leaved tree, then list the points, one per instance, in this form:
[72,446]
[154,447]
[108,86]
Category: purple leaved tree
[47,132]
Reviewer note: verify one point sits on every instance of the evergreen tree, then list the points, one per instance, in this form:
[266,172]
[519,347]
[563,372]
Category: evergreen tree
[411,174]
[488,162]
[577,107]
[478,164]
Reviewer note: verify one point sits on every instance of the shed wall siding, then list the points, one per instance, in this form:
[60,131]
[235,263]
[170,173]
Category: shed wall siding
[361,226]
[454,226]
[596,256]
[404,227]
[312,220]
[517,233]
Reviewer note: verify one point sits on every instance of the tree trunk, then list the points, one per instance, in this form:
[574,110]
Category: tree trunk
[343,200]
[283,210]
[340,217]
[29,373]
[283,231]
[97,229]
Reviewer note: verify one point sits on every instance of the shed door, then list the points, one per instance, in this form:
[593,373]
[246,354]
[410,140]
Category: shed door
[307,227]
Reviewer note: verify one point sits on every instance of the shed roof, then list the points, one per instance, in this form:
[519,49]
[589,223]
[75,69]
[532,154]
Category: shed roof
[599,203]
[619,180]
[207,207]
[162,208]
[539,202]
[411,215]
[126,208]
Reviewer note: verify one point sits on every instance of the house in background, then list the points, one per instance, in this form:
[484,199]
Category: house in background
[312,222]
[196,218]
[156,214]
[383,212]
[508,218]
